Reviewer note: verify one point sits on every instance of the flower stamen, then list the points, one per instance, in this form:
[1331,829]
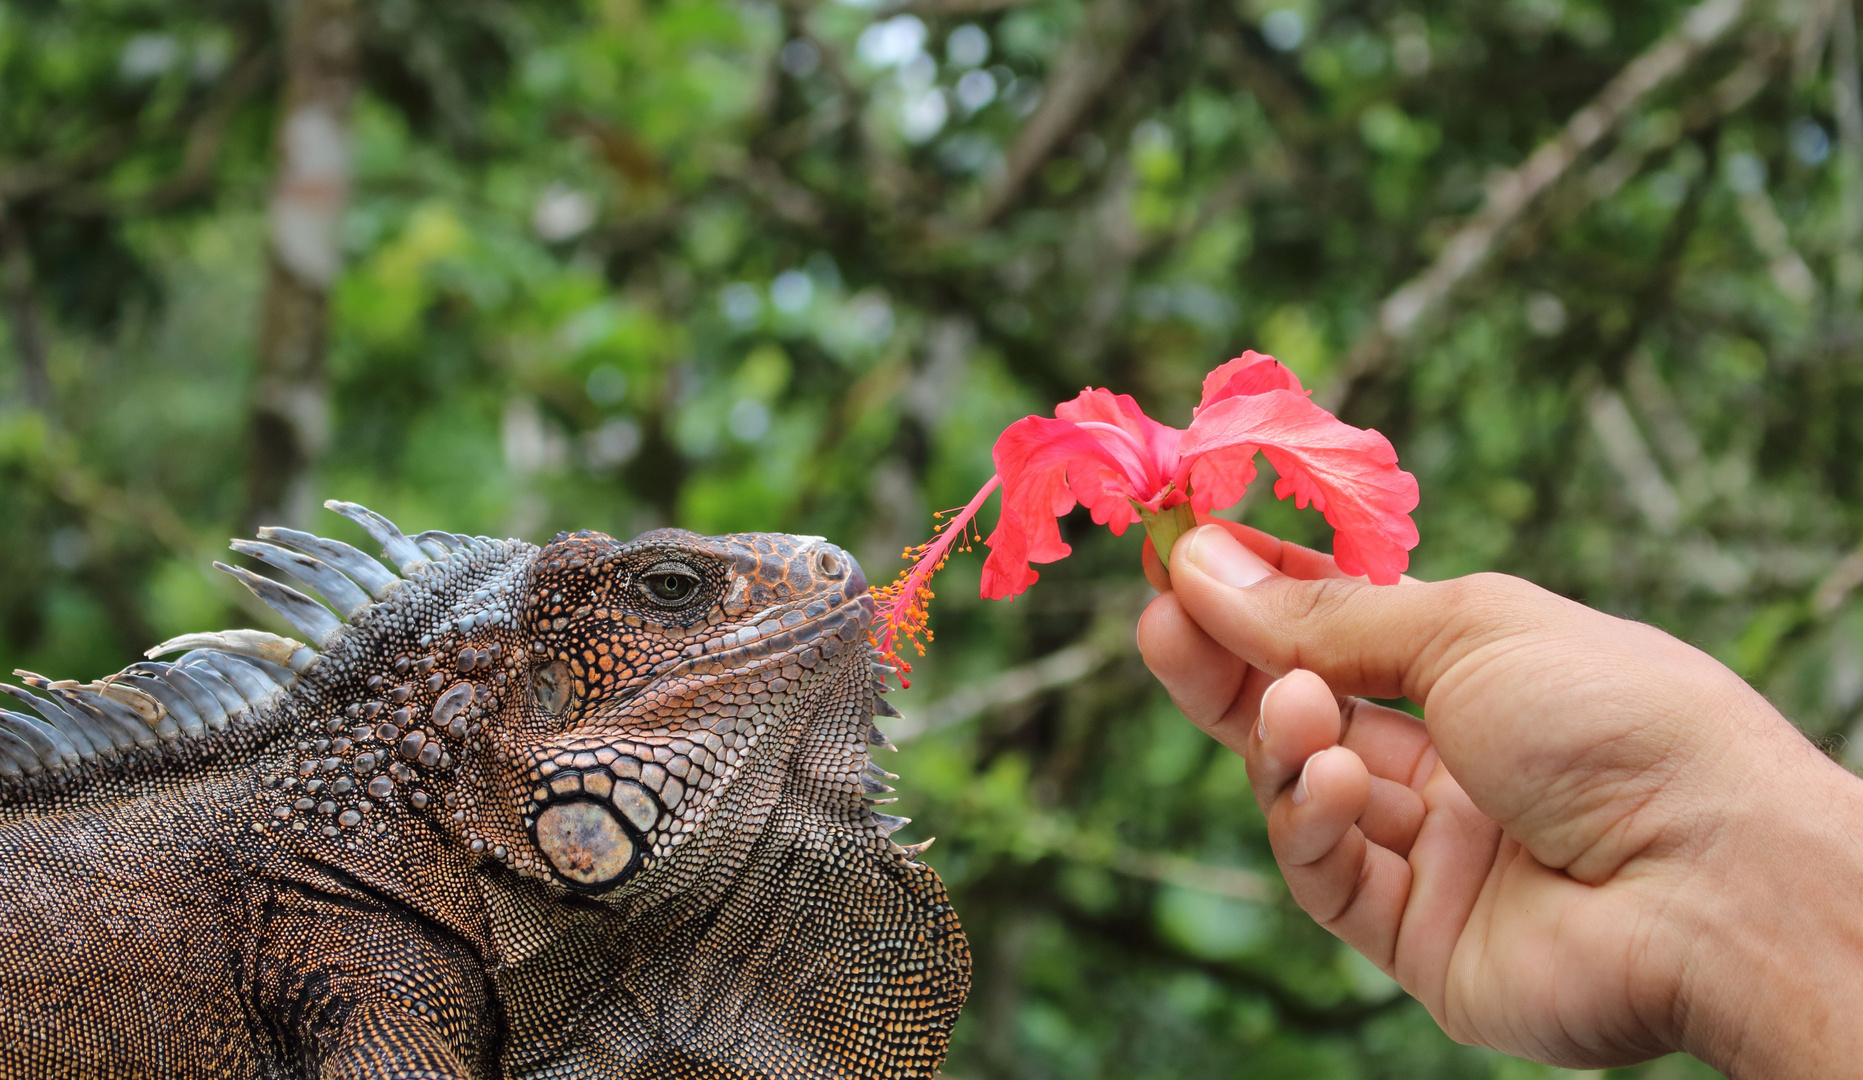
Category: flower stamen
[903,615]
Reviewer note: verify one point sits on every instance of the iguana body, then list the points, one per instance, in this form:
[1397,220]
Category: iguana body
[594,810]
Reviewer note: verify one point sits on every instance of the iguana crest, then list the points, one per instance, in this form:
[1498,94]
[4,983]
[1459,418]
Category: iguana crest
[631,780]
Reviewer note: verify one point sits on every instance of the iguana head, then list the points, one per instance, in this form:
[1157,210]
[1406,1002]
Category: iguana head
[648,674]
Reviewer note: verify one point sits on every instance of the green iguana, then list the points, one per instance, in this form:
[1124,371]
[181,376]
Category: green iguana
[599,809]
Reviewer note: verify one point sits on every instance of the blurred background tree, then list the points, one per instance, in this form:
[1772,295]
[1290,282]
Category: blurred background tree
[513,267]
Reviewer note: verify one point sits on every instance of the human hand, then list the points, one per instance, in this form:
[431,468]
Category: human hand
[1598,846]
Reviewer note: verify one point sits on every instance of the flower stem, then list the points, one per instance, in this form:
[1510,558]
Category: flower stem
[1165,526]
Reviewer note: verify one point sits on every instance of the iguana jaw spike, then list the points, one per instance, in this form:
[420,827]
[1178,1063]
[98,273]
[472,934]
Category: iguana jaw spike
[913,851]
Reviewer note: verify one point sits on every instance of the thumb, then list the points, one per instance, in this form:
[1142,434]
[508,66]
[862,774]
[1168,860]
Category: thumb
[1372,640]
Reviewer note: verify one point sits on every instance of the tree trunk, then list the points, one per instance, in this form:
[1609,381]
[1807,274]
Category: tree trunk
[290,419]
[22,312]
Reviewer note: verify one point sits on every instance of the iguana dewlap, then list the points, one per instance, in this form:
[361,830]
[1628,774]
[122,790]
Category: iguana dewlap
[599,809]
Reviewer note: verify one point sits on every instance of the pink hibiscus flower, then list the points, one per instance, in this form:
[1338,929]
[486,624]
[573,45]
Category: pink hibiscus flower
[1102,452]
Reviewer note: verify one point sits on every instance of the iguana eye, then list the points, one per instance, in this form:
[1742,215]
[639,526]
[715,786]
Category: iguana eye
[670,584]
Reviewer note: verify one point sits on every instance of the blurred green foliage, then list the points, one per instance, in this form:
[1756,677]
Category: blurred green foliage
[746,265]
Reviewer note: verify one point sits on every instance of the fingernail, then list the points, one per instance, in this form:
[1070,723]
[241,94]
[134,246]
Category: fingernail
[1301,795]
[1216,553]
[1261,719]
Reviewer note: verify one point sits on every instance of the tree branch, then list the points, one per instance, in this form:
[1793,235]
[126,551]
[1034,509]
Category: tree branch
[1233,882]
[205,136]
[39,177]
[289,415]
[1605,178]
[1837,585]
[72,181]
[1011,687]
[1058,835]
[1512,194]
[1092,59]
[208,133]
[56,463]
[1847,105]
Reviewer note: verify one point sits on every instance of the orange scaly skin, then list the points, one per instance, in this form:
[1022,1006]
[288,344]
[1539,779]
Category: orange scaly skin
[594,810]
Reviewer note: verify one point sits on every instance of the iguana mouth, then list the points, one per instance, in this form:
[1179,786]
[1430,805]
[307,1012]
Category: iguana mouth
[801,636]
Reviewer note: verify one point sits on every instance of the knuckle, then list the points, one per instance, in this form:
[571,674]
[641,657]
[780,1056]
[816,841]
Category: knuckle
[1346,899]
[1502,593]
[1324,599]
[1490,605]
[1307,610]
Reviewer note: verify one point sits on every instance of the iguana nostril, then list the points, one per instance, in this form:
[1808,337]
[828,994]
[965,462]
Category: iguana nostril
[833,563]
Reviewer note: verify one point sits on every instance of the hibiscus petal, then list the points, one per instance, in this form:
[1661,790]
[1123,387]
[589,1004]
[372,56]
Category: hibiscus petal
[1349,474]
[1112,509]
[1007,571]
[1219,477]
[1249,374]
[1154,445]
[1047,465]
[1119,410]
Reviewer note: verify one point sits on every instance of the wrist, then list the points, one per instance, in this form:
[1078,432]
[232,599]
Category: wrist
[1770,945]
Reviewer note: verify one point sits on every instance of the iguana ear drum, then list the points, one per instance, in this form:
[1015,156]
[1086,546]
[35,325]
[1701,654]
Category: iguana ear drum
[551,687]
[586,843]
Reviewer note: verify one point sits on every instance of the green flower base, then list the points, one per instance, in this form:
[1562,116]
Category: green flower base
[1164,528]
